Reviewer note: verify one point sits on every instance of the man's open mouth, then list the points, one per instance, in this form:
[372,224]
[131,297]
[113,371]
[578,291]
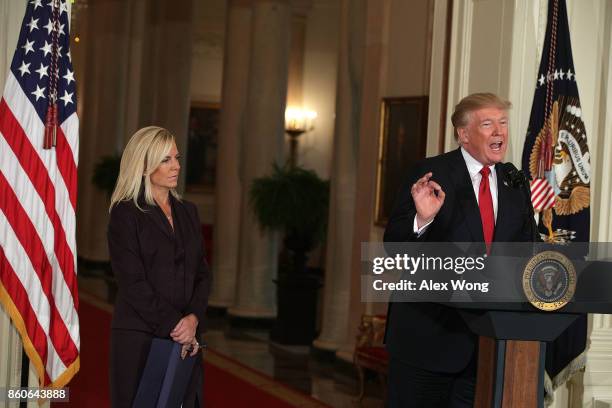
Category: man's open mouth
[496,147]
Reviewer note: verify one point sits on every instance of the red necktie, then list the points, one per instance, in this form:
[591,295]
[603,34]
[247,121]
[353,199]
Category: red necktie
[485,202]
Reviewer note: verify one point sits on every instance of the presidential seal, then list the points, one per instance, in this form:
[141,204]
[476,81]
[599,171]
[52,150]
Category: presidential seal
[549,280]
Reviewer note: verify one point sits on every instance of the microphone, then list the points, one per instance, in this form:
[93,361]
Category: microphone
[516,178]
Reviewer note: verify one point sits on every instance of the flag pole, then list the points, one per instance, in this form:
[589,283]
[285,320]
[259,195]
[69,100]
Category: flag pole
[25,375]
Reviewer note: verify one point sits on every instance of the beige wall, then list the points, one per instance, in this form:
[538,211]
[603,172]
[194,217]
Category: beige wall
[408,34]
[11,16]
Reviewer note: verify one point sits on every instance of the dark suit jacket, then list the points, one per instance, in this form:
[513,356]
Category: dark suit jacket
[154,294]
[432,336]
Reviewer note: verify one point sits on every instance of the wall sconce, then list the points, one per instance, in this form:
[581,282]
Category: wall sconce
[297,122]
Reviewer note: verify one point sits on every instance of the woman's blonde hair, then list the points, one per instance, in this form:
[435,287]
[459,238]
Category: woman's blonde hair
[141,157]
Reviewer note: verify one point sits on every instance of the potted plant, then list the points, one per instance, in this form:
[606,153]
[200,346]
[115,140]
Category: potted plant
[106,172]
[295,201]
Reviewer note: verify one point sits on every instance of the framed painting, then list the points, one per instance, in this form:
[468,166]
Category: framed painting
[202,134]
[402,143]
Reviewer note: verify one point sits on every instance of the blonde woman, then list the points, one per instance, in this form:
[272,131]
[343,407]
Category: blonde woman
[157,256]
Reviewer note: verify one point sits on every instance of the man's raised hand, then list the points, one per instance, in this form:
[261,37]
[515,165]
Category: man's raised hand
[428,198]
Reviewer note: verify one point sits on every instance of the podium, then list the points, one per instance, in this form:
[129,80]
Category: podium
[512,348]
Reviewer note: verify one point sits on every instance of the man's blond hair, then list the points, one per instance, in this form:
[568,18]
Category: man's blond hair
[473,102]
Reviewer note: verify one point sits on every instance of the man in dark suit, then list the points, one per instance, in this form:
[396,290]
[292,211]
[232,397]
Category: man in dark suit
[458,196]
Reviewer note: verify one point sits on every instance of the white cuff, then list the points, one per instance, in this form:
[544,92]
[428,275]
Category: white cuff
[419,231]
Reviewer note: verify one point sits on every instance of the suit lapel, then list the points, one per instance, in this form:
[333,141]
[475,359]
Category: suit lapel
[156,215]
[503,201]
[465,196]
[182,219]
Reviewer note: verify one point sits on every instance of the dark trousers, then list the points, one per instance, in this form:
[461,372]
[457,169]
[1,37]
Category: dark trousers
[128,354]
[412,387]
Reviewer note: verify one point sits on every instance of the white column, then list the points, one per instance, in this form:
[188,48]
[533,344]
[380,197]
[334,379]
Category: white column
[231,128]
[343,177]
[261,146]
[596,384]
[165,69]
[375,51]
[597,381]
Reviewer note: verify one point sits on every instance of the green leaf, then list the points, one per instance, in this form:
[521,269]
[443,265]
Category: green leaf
[293,200]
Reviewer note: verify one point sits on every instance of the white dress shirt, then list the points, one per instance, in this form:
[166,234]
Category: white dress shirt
[474,167]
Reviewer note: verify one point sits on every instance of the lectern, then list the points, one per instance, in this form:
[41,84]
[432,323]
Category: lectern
[512,348]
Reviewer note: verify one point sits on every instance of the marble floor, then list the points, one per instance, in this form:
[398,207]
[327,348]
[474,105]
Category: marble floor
[296,367]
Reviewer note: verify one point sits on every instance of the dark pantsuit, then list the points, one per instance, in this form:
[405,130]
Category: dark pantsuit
[162,276]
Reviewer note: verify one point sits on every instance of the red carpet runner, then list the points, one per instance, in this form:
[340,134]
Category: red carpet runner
[227,383]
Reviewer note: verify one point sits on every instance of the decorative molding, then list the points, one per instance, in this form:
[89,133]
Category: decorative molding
[540,15]
[466,47]
[601,195]
[436,82]
[459,61]
[603,400]
[505,45]
[598,374]
[517,76]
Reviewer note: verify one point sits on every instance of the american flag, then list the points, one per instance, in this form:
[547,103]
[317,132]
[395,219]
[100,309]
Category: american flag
[556,156]
[556,153]
[542,194]
[38,189]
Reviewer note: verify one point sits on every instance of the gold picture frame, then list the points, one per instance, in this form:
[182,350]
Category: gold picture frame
[402,143]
